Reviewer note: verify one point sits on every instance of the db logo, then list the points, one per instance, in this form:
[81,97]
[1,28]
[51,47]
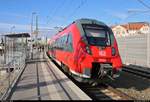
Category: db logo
[102,53]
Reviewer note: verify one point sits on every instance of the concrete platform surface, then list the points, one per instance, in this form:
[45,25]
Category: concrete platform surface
[42,80]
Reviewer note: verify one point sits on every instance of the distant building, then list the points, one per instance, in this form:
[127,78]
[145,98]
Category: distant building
[119,31]
[131,29]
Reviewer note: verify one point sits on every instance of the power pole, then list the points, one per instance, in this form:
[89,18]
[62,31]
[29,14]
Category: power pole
[36,31]
[33,13]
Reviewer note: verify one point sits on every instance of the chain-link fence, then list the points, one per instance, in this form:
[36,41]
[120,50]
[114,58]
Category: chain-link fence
[135,49]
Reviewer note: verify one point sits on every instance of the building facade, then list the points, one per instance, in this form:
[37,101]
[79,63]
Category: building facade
[131,29]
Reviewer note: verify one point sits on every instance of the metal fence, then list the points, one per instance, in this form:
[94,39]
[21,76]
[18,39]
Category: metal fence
[135,49]
[12,62]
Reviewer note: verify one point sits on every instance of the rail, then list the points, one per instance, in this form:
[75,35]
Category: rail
[104,92]
[137,70]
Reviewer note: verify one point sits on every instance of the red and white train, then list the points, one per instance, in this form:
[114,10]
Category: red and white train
[87,49]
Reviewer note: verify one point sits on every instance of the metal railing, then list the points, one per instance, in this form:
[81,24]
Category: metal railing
[9,73]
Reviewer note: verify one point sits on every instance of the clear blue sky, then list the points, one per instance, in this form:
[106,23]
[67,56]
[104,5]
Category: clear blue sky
[62,12]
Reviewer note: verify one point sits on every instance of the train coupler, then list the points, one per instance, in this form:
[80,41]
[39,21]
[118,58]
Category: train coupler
[116,73]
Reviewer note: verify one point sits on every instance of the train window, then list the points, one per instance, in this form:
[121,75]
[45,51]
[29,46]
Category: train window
[65,43]
[55,44]
[97,35]
[58,46]
[69,42]
[61,43]
[111,36]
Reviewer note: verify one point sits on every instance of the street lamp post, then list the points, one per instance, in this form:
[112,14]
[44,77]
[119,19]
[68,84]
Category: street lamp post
[36,31]
[33,13]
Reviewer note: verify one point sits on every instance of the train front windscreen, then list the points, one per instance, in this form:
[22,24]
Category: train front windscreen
[98,35]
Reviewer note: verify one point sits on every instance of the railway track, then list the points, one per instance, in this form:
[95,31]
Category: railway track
[137,71]
[98,92]
[104,92]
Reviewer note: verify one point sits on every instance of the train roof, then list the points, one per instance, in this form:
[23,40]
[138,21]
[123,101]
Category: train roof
[89,21]
[79,23]
[86,21]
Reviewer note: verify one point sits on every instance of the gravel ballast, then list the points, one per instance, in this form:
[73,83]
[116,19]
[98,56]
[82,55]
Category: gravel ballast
[134,86]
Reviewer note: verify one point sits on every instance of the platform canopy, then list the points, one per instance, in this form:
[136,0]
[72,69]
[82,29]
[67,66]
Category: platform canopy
[18,35]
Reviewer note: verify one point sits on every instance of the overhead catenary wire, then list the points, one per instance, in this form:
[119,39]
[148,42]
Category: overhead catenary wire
[61,6]
[77,8]
[58,7]
[144,4]
[64,16]
[83,2]
[52,13]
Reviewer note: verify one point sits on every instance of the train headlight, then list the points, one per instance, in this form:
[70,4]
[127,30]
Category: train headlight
[113,51]
[88,50]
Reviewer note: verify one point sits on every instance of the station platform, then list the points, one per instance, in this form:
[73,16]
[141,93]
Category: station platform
[42,80]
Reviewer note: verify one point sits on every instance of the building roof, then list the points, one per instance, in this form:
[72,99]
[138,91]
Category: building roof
[18,35]
[133,25]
